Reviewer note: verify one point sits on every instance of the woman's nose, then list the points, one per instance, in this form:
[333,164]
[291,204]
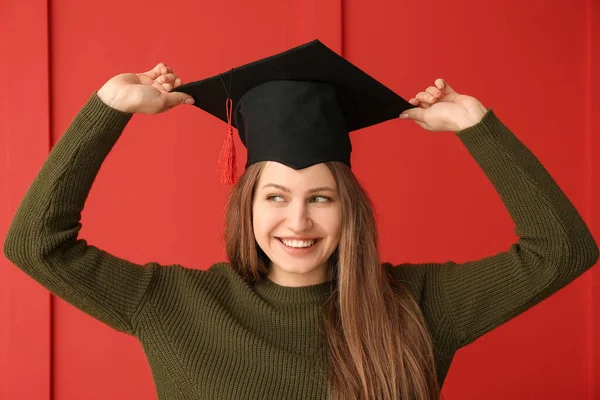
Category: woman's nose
[298,219]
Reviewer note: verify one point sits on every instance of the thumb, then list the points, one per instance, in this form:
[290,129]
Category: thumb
[415,114]
[176,98]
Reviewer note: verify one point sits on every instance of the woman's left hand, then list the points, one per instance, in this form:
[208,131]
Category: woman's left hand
[440,109]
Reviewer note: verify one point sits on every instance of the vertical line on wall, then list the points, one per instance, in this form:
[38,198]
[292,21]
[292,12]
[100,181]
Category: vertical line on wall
[49,71]
[588,167]
[50,124]
[342,28]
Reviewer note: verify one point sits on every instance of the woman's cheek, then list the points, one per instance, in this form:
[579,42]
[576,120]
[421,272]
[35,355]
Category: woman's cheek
[267,216]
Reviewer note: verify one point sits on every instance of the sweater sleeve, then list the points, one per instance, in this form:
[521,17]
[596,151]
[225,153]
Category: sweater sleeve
[42,239]
[464,301]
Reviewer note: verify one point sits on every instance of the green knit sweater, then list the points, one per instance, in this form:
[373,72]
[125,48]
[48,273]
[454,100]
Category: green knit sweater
[209,335]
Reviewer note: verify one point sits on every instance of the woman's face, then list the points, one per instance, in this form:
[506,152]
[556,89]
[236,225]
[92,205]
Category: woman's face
[298,207]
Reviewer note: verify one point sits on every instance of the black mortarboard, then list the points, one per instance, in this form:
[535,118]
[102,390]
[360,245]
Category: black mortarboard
[296,107]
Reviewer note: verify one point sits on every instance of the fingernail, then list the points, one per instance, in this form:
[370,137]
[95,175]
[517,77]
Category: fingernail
[403,116]
[189,101]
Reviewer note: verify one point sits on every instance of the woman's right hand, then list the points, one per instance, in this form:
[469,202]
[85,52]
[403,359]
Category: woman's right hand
[145,93]
[440,108]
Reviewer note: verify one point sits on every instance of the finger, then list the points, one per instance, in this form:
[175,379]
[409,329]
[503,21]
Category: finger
[159,86]
[443,86]
[417,102]
[160,69]
[178,82]
[166,78]
[435,92]
[165,69]
[156,71]
[177,98]
[416,114]
[168,81]
[425,99]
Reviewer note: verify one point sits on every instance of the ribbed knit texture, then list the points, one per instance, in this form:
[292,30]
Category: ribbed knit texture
[209,335]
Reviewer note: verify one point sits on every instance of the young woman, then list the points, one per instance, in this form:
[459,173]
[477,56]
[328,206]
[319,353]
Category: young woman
[303,309]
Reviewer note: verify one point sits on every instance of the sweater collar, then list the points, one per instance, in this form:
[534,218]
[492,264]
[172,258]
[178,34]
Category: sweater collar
[291,294]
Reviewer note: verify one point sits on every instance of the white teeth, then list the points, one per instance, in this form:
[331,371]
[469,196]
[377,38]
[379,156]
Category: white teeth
[298,243]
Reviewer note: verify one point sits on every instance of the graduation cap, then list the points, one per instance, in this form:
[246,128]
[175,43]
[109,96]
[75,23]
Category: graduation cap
[296,107]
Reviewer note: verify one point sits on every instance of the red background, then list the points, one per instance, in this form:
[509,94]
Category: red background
[157,196]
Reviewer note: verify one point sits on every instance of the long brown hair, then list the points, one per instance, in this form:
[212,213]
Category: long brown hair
[378,342]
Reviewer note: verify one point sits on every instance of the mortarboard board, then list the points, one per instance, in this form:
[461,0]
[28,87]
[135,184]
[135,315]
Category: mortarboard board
[296,107]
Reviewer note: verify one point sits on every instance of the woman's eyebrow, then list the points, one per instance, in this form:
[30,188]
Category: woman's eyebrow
[285,189]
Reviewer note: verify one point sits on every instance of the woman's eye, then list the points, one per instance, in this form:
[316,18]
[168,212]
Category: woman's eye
[325,199]
[270,198]
[316,199]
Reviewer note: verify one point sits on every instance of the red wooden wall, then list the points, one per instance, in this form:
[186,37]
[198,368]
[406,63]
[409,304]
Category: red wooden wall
[157,196]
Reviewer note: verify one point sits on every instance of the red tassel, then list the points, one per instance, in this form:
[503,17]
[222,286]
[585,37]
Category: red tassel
[227,163]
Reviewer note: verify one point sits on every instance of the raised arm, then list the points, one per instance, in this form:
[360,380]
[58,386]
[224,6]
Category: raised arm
[554,246]
[43,236]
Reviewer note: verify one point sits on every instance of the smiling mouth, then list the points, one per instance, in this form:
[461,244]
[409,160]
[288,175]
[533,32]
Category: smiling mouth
[315,241]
